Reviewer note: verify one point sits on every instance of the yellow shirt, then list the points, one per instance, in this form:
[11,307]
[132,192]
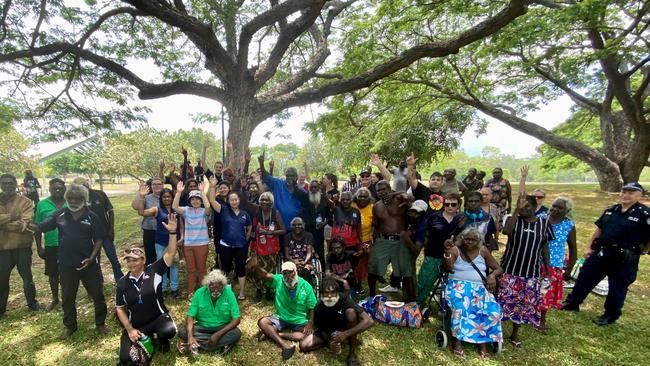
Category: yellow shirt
[366,222]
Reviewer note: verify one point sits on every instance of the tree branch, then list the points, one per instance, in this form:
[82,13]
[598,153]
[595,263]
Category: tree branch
[277,13]
[202,35]
[488,27]
[573,147]
[146,89]
[609,63]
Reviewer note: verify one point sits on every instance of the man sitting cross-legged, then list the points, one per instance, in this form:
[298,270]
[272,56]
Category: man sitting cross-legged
[337,319]
[294,307]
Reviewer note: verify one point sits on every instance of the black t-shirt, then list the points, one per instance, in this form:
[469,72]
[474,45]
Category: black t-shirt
[76,237]
[421,192]
[328,320]
[143,296]
[627,229]
[100,205]
[439,231]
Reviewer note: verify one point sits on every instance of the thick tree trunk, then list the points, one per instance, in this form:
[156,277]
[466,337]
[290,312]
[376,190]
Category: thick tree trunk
[636,158]
[242,122]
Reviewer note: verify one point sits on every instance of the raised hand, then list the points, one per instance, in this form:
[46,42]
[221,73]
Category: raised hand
[161,165]
[180,186]
[143,189]
[172,224]
[213,181]
[247,155]
[184,151]
[374,159]
[410,160]
[201,186]
[449,243]
[271,164]
[260,159]
[524,171]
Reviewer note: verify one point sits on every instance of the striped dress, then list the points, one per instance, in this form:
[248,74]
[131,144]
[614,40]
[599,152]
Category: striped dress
[519,286]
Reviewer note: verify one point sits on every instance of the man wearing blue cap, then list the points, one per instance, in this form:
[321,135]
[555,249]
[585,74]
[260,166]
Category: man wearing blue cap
[621,236]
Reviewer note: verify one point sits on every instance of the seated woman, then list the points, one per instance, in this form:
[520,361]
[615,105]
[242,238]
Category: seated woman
[213,317]
[339,265]
[299,247]
[475,314]
[139,299]
[337,319]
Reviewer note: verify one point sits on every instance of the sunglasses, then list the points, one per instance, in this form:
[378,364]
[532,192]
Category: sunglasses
[540,197]
[365,175]
[451,204]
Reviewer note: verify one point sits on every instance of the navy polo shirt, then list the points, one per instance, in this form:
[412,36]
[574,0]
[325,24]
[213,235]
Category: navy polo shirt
[76,237]
[233,227]
[629,229]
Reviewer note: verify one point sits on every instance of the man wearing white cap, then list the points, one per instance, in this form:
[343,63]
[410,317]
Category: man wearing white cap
[413,238]
[294,307]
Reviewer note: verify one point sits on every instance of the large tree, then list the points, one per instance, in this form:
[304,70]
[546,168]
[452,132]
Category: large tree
[257,58]
[595,52]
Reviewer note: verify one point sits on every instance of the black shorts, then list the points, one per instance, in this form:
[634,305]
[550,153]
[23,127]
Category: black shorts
[52,261]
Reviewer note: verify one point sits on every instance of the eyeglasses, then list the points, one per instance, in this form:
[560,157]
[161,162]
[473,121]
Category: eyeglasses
[451,204]
[134,251]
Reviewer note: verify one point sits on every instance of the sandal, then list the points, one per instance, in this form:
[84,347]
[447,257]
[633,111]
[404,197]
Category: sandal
[241,297]
[459,353]
[515,344]
[485,356]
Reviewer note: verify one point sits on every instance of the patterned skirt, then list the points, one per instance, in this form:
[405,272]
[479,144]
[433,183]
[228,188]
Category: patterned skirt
[475,313]
[554,295]
[520,299]
[269,263]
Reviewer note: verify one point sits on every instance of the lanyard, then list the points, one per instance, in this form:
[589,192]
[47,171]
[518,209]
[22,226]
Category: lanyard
[138,289]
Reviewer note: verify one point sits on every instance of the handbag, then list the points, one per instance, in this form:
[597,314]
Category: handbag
[402,315]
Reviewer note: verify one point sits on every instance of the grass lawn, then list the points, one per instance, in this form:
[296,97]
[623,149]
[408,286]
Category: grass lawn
[29,338]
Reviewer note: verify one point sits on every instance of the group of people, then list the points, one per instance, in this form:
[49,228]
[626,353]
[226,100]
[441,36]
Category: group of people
[276,232]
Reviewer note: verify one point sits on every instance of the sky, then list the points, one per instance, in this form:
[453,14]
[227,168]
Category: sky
[174,113]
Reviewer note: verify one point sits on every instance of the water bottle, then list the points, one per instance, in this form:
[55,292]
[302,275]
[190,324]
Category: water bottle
[319,220]
[145,342]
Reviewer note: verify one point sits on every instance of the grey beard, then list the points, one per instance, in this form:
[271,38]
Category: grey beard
[314,198]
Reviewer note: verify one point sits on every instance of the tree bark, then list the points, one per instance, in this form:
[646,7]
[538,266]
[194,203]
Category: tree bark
[242,123]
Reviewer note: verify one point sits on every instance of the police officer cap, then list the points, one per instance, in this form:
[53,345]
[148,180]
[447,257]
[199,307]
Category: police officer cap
[632,186]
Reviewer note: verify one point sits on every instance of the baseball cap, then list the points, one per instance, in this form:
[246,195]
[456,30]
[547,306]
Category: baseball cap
[632,186]
[289,266]
[419,206]
[366,170]
[194,193]
[134,252]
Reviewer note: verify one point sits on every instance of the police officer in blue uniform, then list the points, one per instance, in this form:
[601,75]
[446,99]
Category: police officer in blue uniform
[621,236]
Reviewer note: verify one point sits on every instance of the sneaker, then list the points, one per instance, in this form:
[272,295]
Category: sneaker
[388,288]
[604,320]
[568,284]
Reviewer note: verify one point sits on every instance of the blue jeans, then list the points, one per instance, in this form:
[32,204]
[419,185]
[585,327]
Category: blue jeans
[109,248]
[173,270]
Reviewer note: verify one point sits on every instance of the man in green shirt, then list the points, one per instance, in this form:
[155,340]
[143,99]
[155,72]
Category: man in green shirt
[294,307]
[212,318]
[50,253]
